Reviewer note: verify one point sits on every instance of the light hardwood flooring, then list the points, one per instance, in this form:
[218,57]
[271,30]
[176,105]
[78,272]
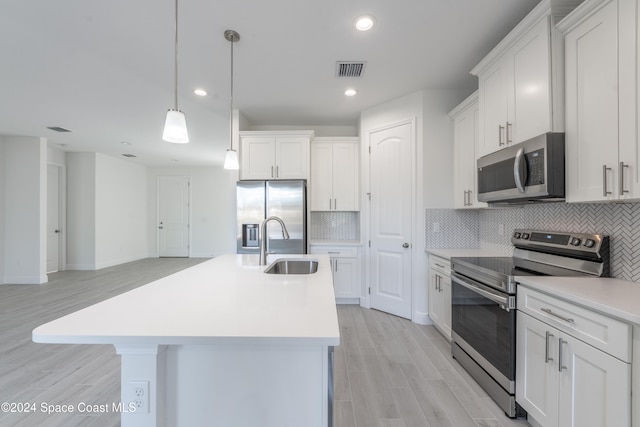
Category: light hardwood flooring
[389,372]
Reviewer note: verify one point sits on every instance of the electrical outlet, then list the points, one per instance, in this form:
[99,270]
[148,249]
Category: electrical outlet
[500,229]
[139,396]
[436,227]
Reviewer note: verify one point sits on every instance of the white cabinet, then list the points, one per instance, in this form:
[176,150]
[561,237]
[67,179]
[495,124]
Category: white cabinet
[603,151]
[465,146]
[345,266]
[334,174]
[440,294]
[521,81]
[274,155]
[573,365]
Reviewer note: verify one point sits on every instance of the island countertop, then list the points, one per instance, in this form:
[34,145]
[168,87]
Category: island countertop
[228,299]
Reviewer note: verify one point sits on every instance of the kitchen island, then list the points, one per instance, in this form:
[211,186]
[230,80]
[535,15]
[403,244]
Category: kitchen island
[220,343]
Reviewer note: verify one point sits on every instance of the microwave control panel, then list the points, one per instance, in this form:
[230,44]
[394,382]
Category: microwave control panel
[535,166]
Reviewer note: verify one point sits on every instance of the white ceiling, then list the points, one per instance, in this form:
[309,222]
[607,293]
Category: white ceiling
[104,69]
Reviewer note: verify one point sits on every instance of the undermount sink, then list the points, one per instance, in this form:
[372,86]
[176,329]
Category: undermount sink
[293,266]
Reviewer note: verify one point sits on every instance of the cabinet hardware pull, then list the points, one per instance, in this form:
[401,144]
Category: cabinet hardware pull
[500,128]
[439,265]
[547,358]
[330,252]
[438,282]
[566,319]
[336,265]
[329,203]
[335,204]
[277,171]
[561,367]
[271,171]
[508,134]
[605,193]
[621,179]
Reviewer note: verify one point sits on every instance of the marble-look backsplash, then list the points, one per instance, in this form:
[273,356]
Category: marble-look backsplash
[619,221]
[334,226]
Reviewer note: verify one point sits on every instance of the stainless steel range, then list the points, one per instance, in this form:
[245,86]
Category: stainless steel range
[483,299]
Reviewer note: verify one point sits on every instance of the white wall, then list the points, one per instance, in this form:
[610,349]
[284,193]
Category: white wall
[212,210]
[434,160]
[24,208]
[3,180]
[120,211]
[81,211]
[318,130]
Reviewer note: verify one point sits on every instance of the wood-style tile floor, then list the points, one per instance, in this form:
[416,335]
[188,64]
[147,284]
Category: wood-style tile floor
[389,372]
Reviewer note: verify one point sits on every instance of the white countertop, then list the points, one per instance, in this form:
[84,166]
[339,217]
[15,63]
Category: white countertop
[614,297]
[228,299]
[451,253]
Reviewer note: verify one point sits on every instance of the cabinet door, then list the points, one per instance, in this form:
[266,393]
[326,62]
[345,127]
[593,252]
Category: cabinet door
[292,157]
[344,277]
[591,53]
[435,298]
[529,107]
[595,388]
[446,305]
[537,369]
[257,158]
[465,129]
[493,108]
[321,185]
[345,177]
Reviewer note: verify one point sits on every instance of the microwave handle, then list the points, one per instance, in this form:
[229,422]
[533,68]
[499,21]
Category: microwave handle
[518,167]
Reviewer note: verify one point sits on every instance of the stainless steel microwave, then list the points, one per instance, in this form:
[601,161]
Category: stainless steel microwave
[531,171]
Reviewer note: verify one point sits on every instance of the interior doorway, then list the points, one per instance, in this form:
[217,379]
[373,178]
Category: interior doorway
[173,216]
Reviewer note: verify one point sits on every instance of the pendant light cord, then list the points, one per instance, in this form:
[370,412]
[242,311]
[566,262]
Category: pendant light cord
[175,62]
[231,102]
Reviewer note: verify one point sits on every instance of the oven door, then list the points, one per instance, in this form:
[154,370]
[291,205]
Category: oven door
[483,324]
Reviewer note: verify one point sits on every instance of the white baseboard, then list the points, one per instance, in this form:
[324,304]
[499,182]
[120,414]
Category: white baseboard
[25,280]
[80,267]
[421,318]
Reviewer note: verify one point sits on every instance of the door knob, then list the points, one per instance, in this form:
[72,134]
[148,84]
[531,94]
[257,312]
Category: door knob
[56,231]
[405,245]
[160,227]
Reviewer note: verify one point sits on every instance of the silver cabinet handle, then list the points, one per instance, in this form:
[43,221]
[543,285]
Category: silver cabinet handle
[500,128]
[547,358]
[605,193]
[439,265]
[438,286]
[509,136]
[566,319]
[621,178]
[335,263]
[329,204]
[335,204]
[405,245]
[272,171]
[561,367]
[277,171]
[160,227]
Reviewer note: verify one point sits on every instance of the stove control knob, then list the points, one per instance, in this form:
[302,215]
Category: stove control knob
[575,241]
[516,235]
[525,236]
[589,243]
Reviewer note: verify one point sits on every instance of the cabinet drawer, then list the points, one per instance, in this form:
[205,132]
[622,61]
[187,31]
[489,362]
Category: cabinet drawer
[603,332]
[335,251]
[442,265]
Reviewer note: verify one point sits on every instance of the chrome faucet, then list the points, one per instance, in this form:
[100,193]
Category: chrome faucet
[263,237]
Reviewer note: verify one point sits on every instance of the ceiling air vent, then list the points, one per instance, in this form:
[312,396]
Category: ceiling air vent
[350,69]
[58,129]
[130,155]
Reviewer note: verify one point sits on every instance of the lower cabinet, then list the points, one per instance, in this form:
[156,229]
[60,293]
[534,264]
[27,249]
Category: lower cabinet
[345,267]
[562,380]
[440,294]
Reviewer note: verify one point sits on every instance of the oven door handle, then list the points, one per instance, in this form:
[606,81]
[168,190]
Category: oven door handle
[507,303]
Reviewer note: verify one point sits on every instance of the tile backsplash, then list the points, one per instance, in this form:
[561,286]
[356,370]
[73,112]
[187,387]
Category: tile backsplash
[334,226]
[619,221]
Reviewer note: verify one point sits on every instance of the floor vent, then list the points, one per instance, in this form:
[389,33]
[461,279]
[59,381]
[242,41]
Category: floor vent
[350,69]
[58,129]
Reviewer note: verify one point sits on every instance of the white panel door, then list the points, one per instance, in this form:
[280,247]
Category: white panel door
[53,218]
[591,91]
[173,216]
[391,217]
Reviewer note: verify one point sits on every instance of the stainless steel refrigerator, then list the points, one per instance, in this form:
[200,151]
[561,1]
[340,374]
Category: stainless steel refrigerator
[258,200]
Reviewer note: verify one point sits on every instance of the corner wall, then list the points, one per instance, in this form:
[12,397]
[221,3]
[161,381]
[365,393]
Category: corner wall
[3,180]
[24,210]
[81,211]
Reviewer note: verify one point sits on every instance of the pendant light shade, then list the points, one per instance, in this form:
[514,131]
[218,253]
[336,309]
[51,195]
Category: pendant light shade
[175,125]
[231,158]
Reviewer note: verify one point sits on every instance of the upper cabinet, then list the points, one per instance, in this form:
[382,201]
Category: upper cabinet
[602,60]
[521,81]
[334,174]
[275,155]
[465,146]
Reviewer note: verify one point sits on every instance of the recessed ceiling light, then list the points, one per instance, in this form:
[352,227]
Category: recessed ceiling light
[200,92]
[125,143]
[350,92]
[364,22]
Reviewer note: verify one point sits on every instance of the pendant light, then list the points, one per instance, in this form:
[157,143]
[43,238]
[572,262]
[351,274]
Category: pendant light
[231,158]
[175,126]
